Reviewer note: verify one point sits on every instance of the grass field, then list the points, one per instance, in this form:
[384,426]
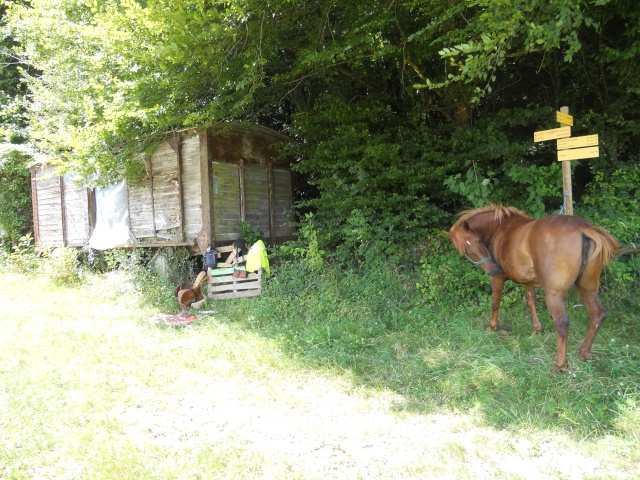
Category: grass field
[332,378]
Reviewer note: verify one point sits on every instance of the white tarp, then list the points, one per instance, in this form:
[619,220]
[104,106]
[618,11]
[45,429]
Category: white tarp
[112,219]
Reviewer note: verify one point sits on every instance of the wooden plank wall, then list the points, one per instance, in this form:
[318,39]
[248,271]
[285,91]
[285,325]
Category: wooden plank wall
[226,201]
[61,209]
[49,207]
[77,223]
[242,191]
[157,213]
[261,190]
[141,207]
[166,195]
[256,188]
[167,207]
[283,203]
[191,187]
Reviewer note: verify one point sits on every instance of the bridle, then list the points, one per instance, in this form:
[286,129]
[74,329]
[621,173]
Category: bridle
[481,261]
[488,258]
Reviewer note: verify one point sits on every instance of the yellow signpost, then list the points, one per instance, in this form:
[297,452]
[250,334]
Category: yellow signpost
[578,153]
[552,134]
[576,142]
[564,118]
[569,149]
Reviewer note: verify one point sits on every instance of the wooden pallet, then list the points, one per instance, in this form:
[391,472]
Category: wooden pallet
[222,284]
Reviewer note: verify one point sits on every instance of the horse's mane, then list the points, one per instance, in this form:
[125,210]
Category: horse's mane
[500,212]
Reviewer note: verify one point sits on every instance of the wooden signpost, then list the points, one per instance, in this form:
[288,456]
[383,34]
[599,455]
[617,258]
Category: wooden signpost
[569,148]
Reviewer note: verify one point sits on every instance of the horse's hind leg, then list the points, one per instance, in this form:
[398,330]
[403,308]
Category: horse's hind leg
[597,315]
[555,305]
[531,302]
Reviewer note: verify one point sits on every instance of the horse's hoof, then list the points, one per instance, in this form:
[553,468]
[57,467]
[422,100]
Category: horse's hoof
[555,368]
[585,357]
[492,328]
[537,332]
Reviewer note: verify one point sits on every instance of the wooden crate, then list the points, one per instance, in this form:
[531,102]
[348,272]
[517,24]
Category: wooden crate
[221,282]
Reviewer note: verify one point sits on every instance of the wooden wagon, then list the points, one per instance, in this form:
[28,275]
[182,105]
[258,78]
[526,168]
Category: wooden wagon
[197,188]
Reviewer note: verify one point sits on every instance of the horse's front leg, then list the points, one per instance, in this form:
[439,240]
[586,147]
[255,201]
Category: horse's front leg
[557,309]
[497,287]
[531,302]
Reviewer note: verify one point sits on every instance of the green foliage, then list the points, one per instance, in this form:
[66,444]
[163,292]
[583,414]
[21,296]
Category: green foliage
[12,112]
[24,255]
[62,266]
[620,192]
[109,260]
[474,188]
[376,181]
[543,184]
[16,217]
[446,279]
[403,113]
[306,249]
[250,234]
[182,265]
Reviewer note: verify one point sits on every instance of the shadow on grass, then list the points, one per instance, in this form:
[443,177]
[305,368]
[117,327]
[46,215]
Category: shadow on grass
[378,330]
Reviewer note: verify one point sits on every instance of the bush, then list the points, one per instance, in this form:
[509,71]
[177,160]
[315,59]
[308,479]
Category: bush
[445,278]
[250,234]
[62,266]
[614,204]
[306,248]
[23,256]
[16,216]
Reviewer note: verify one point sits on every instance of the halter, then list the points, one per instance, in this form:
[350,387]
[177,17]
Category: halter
[484,260]
[481,261]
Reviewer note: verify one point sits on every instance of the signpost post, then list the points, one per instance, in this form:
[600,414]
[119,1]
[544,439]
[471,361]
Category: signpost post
[567,189]
[568,149]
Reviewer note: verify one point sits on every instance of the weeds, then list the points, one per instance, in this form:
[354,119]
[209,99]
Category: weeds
[62,266]
[436,353]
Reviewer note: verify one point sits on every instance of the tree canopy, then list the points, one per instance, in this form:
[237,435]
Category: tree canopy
[403,111]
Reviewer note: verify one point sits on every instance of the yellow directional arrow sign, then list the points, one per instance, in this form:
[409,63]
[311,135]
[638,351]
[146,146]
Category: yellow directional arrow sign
[552,134]
[564,118]
[575,142]
[577,153]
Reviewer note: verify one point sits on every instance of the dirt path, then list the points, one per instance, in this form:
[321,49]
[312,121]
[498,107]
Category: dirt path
[313,428]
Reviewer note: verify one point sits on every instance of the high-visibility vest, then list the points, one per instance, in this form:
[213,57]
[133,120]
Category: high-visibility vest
[257,258]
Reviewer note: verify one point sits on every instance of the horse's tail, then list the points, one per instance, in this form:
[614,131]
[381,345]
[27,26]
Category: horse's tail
[605,247]
[627,251]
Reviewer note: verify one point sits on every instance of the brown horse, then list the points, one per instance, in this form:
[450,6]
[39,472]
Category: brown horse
[552,252]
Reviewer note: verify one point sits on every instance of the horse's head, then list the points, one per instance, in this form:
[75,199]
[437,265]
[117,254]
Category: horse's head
[468,243]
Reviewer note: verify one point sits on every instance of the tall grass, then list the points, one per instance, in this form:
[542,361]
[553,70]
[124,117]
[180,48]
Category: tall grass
[376,326]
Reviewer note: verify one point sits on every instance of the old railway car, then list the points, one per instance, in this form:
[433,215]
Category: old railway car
[198,187]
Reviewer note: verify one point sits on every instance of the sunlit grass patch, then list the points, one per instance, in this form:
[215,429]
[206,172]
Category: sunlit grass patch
[393,390]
